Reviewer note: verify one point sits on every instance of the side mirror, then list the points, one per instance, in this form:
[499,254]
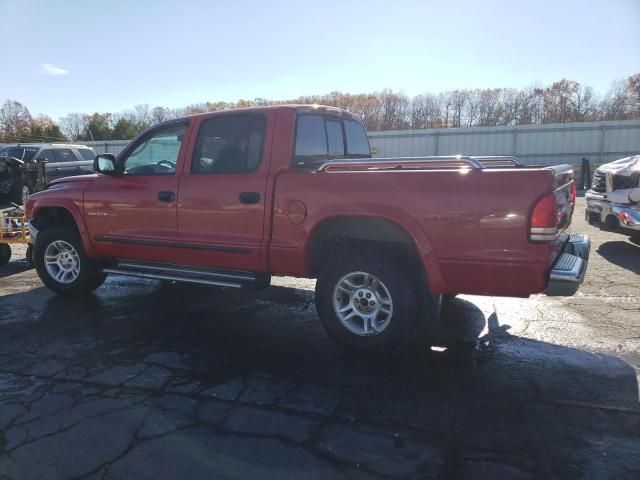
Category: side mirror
[105,163]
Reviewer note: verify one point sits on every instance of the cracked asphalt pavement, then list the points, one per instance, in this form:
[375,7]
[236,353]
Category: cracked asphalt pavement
[148,380]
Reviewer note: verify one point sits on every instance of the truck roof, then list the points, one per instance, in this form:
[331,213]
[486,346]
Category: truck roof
[300,108]
[49,145]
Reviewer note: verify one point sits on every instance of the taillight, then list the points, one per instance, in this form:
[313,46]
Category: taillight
[544,219]
[573,193]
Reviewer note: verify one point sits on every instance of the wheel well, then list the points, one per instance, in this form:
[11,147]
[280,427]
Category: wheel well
[366,233]
[612,222]
[49,216]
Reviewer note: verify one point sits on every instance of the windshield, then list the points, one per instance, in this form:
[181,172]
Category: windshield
[21,153]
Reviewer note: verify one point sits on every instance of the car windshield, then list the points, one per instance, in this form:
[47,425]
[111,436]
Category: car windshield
[21,153]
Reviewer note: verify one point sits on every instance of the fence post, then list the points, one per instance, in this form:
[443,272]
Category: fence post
[515,141]
[586,174]
[435,143]
[602,137]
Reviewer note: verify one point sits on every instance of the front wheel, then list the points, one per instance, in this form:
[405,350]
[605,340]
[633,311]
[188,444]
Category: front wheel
[62,264]
[368,303]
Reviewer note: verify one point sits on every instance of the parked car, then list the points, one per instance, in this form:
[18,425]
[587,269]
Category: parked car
[232,198]
[20,177]
[613,202]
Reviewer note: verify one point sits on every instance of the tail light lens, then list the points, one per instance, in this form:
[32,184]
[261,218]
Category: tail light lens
[544,219]
[573,193]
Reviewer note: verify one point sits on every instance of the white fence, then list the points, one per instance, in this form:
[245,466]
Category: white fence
[600,142]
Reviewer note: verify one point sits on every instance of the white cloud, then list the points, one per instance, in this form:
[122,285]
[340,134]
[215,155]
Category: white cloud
[49,69]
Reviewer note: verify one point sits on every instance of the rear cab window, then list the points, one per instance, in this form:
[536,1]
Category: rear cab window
[320,138]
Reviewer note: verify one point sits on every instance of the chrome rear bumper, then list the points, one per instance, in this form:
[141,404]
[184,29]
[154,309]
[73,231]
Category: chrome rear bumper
[568,272]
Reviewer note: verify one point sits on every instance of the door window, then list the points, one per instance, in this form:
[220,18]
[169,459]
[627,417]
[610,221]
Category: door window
[357,140]
[229,144]
[311,139]
[47,155]
[156,153]
[87,154]
[65,155]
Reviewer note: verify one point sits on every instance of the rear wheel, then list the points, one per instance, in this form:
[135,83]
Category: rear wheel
[62,264]
[5,253]
[367,302]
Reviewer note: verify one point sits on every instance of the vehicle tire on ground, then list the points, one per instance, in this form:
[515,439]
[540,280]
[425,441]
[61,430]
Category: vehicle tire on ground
[367,302]
[5,253]
[29,256]
[62,264]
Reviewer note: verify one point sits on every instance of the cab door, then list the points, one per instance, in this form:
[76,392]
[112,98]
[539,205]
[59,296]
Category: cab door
[221,200]
[133,215]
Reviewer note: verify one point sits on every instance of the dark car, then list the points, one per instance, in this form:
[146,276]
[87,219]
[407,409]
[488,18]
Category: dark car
[19,173]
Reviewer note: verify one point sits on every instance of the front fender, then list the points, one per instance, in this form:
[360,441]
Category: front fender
[38,203]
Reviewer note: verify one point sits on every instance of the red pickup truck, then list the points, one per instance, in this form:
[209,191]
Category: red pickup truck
[232,198]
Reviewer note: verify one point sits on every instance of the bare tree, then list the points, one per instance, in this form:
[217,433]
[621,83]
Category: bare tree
[585,105]
[15,120]
[73,125]
[616,104]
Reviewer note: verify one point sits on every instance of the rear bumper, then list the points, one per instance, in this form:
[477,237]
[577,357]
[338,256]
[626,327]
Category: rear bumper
[568,272]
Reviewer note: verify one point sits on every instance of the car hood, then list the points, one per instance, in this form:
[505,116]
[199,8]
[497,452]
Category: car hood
[78,178]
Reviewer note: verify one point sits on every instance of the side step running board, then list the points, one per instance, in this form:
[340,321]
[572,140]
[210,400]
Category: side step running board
[183,273]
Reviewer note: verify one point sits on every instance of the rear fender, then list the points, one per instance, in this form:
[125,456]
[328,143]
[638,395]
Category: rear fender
[397,217]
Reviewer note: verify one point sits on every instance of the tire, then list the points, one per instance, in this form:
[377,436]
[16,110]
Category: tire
[73,272]
[394,292]
[29,256]
[5,254]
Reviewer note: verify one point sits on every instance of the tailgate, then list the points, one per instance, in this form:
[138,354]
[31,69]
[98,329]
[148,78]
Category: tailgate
[565,193]
[552,213]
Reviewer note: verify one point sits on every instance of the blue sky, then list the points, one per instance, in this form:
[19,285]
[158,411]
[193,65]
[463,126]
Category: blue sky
[84,56]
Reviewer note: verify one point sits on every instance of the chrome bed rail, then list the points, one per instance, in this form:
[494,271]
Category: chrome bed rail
[419,163]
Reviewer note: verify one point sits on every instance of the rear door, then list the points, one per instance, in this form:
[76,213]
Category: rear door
[66,162]
[222,193]
[84,164]
[133,216]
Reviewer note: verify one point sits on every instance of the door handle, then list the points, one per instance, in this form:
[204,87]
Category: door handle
[249,198]
[166,196]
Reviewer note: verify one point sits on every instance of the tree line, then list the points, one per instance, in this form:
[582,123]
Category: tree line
[561,102]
